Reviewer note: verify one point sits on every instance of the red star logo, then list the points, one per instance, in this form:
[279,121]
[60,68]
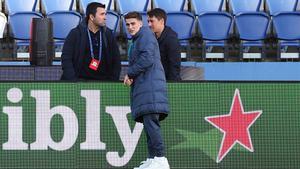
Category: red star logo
[235,126]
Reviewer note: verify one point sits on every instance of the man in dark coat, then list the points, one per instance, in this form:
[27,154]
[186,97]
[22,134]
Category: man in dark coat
[90,51]
[149,102]
[168,43]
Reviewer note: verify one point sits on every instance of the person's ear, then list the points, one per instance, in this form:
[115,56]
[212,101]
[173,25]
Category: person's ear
[163,21]
[92,17]
[141,23]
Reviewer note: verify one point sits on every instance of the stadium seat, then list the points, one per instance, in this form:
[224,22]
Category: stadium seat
[275,6]
[183,24]
[215,30]
[83,4]
[112,20]
[169,5]
[145,23]
[13,6]
[70,19]
[132,5]
[56,5]
[19,25]
[252,29]
[60,31]
[287,31]
[3,21]
[176,20]
[201,6]
[238,6]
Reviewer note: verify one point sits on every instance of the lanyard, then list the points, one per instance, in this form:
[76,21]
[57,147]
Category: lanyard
[91,45]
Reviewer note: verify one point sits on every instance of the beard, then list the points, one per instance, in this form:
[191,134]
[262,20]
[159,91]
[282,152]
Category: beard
[100,24]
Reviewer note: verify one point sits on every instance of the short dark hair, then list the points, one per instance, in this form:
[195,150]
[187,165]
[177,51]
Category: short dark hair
[135,15]
[158,13]
[91,9]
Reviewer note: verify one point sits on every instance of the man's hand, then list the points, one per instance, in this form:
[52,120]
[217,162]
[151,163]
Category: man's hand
[127,81]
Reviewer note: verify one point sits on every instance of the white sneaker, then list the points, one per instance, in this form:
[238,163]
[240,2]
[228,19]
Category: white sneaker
[159,163]
[144,164]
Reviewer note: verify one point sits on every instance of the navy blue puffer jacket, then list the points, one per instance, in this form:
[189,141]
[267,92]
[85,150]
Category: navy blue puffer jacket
[149,90]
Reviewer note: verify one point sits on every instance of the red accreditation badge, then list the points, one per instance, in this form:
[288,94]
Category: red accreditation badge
[94,64]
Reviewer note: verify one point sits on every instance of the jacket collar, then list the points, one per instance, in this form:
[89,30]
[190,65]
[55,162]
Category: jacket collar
[163,34]
[142,29]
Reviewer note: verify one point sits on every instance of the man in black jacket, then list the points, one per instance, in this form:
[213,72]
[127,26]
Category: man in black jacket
[90,50]
[168,43]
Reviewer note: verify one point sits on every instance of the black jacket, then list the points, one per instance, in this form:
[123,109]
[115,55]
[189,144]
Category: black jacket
[170,53]
[75,49]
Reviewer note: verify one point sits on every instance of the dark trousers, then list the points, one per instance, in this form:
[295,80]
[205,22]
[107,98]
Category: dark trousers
[155,142]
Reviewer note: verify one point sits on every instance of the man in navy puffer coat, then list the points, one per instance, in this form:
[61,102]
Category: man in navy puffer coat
[149,102]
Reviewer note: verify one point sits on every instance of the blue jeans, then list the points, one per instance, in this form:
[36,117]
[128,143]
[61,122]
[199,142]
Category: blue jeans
[155,142]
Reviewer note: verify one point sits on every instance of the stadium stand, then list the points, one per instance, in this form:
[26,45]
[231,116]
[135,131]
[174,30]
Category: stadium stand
[169,5]
[56,5]
[192,38]
[19,26]
[201,6]
[215,30]
[238,6]
[83,4]
[286,25]
[252,30]
[275,6]
[13,6]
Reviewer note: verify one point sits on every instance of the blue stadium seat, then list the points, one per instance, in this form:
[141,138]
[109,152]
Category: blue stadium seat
[287,30]
[238,6]
[60,31]
[70,19]
[13,6]
[145,23]
[83,4]
[215,30]
[19,25]
[132,5]
[252,28]
[112,20]
[169,5]
[276,6]
[183,24]
[201,6]
[57,5]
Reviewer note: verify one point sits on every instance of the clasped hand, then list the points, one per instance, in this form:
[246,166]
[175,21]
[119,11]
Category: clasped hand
[127,81]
